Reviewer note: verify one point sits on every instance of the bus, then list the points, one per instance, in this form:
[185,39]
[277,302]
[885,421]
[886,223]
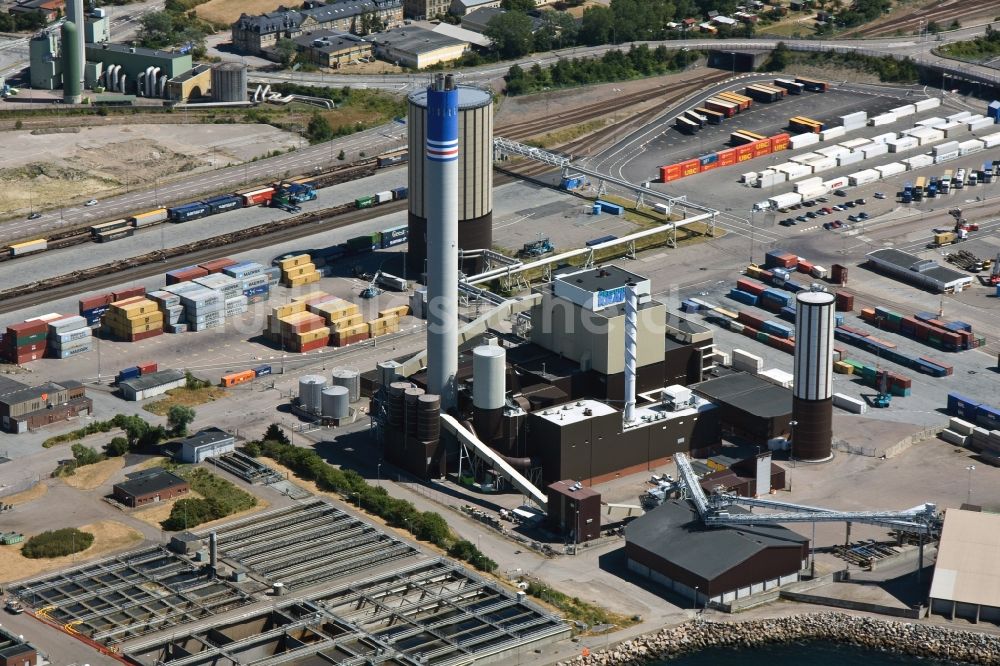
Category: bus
[805,125]
[812,85]
[945,184]
[918,188]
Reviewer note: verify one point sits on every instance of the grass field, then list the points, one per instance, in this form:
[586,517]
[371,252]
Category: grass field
[186,397]
[93,476]
[30,495]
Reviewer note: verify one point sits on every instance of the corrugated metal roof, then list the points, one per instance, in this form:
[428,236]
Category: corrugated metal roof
[747,392]
[152,380]
[966,569]
[674,532]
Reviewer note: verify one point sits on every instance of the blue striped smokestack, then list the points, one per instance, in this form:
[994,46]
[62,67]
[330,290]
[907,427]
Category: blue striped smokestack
[441,169]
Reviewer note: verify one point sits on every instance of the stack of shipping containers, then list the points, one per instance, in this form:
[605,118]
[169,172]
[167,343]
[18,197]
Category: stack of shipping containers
[70,336]
[724,158]
[25,341]
[133,319]
[295,329]
[298,271]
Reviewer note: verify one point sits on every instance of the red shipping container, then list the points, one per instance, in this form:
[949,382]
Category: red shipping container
[727,157]
[690,167]
[749,319]
[845,302]
[131,292]
[27,358]
[744,153]
[258,198]
[216,265]
[91,302]
[779,142]
[750,286]
[670,172]
[804,266]
[137,337]
[27,349]
[26,328]
[750,332]
[146,368]
[761,148]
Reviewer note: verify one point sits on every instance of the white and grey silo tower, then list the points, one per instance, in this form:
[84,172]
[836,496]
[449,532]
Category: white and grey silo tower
[812,395]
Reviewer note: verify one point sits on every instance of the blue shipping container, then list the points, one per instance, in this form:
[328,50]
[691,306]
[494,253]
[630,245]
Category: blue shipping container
[774,328]
[609,207]
[959,405]
[743,296]
[262,370]
[187,212]
[128,373]
[597,241]
[224,203]
[400,193]
[988,417]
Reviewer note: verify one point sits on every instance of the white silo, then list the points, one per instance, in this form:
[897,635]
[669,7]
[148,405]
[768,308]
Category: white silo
[311,392]
[489,390]
[336,402]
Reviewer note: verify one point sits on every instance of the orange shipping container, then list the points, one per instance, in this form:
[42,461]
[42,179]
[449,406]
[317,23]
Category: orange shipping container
[690,167]
[744,153]
[727,157]
[762,147]
[779,142]
[670,172]
[238,378]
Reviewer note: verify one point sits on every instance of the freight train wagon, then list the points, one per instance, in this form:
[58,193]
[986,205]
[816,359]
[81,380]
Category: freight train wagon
[149,217]
[395,194]
[188,212]
[726,108]
[27,247]
[392,159]
[98,229]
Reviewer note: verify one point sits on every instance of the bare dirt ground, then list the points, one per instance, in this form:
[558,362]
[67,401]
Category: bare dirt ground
[227,11]
[109,537]
[30,495]
[94,476]
[36,168]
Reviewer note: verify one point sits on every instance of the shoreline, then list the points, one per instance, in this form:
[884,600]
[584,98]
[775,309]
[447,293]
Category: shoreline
[891,636]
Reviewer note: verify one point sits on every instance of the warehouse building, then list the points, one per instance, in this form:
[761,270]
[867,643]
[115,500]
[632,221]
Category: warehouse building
[155,383]
[259,34]
[417,48]
[50,10]
[671,546]
[463,7]
[966,585]
[477,20]
[207,443]
[24,407]
[332,48]
[15,651]
[924,273]
[574,510]
[156,485]
[749,407]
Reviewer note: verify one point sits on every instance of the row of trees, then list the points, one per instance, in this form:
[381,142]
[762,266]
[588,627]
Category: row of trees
[424,525]
[176,25]
[22,22]
[614,65]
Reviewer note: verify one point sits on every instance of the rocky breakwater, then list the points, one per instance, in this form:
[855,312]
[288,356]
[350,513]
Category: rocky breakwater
[918,640]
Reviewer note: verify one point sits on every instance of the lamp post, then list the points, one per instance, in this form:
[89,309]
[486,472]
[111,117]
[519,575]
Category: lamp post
[694,602]
[791,440]
[970,469]
[378,473]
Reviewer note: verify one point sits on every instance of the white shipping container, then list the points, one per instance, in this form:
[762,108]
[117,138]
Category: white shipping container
[747,362]
[861,116]
[875,150]
[903,144]
[797,171]
[991,140]
[784,200]
[769,178]
[902,111]
[890,169]
[978,124]
[824,164]
[382,197]
[803,140]
[850,158]
[777,377]
[961,115]
[849,404]
[882,138]
[661,208]
[970,146]
[946,147]
[854,144]
[814,191]
[807,183]
[819,272]
[832,133]
[804,158]
[863,177]
[834,151]
[918,161]
[785,166]
[927,104]
[882,119]
[750,177]
[929,136]
[953,437]
[952,130]
[960,426]
[836,183]
[945,157]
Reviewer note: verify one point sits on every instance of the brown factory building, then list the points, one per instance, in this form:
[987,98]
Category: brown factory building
[149,488]
[749,407]
[14,651]
[24,407]
[673,547]
[574,510]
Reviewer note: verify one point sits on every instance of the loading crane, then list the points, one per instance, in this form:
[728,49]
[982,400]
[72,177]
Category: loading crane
[883,398]
[372,290]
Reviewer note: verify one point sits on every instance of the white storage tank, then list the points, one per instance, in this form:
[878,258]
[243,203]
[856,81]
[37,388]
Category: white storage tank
[489,376]
[311,391]
[336,402]
[350,379]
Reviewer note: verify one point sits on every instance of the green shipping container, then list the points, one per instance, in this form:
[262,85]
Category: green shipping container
[29,339]
[364,202]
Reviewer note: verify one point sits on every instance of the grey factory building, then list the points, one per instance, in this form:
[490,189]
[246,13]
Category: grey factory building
[965,584]
[749,407]
[671,546]
[924,273]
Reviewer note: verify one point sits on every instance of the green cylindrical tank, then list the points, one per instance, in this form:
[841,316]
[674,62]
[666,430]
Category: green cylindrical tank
[72,67]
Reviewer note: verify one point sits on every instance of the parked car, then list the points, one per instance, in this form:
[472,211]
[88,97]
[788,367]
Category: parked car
[852,218]
[860,202]
[92,202]
[787,223]
[880,195]
[863,216]
[822,211]
[828,225]
[840,193]
[802,218]
[822,199]
[809,203]
[849,204]
[811,215]
[34,216]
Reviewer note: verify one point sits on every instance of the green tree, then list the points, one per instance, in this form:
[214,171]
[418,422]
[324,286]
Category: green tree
[117,447]
[179,417]
[523,6]
[274,433]
[340,155]
[57,543]
[85,455]
[319,129]
[597,25]
[511,34]
[778,60]
[156,28]
[286,49]
[252,449]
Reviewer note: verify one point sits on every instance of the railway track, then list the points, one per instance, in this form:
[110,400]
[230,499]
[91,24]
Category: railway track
[940,13]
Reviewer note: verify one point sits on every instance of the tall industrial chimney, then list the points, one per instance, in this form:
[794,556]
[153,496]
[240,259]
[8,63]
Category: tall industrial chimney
[441,177]
[812,406]
[631,333]
[72,52]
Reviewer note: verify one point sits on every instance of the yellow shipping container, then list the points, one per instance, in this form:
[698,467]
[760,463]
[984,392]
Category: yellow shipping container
[302,280]
[353,330]
[394,328]
[312,336]
[144,328]
[296,271]
[347,322]
[398,311]
[138,320]
[141,307]
[281,311]
[312,277]
[311,295]
[292,262]
[843,368]
[754,271]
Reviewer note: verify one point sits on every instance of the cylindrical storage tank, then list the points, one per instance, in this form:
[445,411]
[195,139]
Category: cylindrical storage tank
[229,82]
[351,380]
[812,406]
[388,371]
[489,375]
[72,65]
[336,402]
[396,407]
[410,399]
[311,391]
[475,174]
[429,417]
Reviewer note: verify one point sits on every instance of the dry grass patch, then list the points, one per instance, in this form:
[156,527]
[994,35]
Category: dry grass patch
[26,496]
[567,134]
[227,11]
[186,397]
[93,476]
[109,537]
[160,511]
